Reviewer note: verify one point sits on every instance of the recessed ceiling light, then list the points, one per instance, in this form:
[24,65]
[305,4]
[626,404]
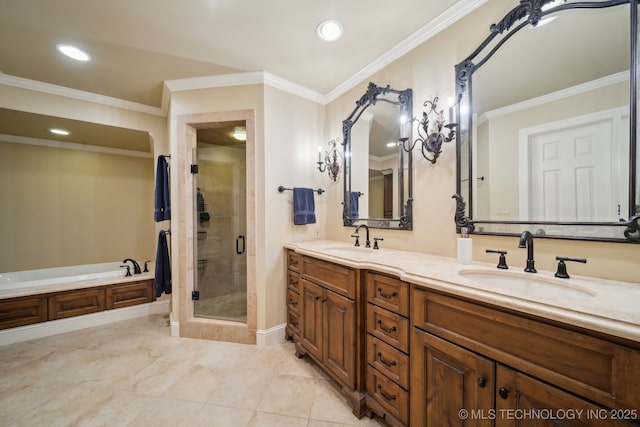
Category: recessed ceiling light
[329,30]
[60,131]
[73,52]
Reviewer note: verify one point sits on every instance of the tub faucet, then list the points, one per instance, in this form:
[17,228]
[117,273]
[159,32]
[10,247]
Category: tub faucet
[136,266]
[526,241]
[368,243]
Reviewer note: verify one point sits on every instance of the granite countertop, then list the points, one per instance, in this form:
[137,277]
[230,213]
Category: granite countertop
[606,306]
[80,284]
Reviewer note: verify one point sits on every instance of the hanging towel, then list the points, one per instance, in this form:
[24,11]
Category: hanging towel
[163,205]
[355,199]
[303,206]
[162,281]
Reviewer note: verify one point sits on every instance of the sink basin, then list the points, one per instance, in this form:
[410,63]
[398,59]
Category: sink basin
[527,284]
[349,251]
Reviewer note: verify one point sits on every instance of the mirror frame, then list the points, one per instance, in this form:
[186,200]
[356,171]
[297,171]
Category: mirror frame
[404,100]
[529,12]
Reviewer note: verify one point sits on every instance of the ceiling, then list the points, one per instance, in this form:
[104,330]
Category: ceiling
[138,44]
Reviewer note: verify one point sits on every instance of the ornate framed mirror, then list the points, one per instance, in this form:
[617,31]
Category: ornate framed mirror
[377,171]
[547,113]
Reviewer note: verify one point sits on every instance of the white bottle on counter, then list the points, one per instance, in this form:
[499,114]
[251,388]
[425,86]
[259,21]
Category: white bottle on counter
[465,248]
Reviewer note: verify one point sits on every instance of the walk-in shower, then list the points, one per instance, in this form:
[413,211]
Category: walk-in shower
[219,198]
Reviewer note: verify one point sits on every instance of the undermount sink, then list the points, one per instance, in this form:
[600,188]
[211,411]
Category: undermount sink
[527,284]
[349,251]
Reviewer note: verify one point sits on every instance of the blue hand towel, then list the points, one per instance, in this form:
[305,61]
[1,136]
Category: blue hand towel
[355,199]
[162,203]
[303,206]
[162,280]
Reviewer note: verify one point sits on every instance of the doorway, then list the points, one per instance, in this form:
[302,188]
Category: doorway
[220,198]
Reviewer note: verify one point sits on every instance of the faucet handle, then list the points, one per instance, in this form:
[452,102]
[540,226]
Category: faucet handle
[128,270]
[146,266]
[375,242]
[561,272]
[502,262]
[357,239]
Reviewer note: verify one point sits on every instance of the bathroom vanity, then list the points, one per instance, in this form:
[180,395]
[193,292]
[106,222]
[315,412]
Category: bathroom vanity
[419,340]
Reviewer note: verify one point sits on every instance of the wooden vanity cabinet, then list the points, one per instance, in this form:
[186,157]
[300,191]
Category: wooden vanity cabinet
[388,330]
[292,330]
[493,363]
[330,323]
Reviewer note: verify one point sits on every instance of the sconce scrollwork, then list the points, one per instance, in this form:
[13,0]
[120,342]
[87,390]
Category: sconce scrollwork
[332,160]
[431,132]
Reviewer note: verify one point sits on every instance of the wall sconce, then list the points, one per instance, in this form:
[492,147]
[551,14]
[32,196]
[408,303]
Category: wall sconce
[332,160]
[432,137]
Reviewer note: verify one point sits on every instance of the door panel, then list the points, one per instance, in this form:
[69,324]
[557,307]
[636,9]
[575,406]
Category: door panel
[311,317]
[339,318]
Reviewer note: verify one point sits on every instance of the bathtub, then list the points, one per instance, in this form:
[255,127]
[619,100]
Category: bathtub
[49,301]
[60,276]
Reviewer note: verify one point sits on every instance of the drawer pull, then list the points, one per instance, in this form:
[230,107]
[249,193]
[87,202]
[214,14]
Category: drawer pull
[503,392]
[389,397]
[386,362]
[321,299]
[387,330]
[387,296]
[482,382]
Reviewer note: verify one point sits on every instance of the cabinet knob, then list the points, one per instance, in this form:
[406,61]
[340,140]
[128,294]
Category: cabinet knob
[482,382]
[503,392]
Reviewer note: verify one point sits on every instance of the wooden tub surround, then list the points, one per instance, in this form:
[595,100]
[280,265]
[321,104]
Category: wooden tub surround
[45,306]
[414,343]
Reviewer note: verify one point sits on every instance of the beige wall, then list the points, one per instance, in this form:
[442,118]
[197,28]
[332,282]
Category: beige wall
[429,70]
[68,207]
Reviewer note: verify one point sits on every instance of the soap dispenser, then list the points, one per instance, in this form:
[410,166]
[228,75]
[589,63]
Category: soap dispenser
[465,248]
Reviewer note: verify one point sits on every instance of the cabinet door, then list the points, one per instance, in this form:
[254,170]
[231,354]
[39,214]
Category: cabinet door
[524,401]
[311,317]
[339,335]
[448,380]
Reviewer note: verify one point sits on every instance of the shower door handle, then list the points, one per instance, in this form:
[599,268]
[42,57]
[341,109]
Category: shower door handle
[238,240]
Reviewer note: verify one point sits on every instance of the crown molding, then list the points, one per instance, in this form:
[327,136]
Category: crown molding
[427,31]
[239,79]
[556,96]
[51,89]
[50,143]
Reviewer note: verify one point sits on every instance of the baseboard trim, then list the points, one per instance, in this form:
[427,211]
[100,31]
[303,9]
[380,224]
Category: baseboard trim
[54,327]
[270,336]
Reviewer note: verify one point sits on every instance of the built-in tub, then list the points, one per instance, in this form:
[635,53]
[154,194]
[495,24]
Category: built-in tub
[60,275]
[36,297]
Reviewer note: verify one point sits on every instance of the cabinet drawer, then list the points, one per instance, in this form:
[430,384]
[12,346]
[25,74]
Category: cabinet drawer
[125,295]
[388,292]
[591,367]
[76,303]
[389,360]
[293,322]
[22,311]
[389,395]
[389,327]
[293,261]
[293,281]
[293,301]
[335,277]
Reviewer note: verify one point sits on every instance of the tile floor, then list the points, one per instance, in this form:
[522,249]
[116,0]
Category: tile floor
[133,373]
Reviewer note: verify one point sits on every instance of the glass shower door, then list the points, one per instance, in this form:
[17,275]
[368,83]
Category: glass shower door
[220,201]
